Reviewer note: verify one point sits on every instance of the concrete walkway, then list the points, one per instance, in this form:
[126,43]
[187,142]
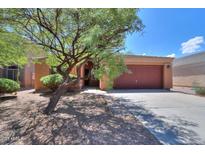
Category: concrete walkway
[173,117]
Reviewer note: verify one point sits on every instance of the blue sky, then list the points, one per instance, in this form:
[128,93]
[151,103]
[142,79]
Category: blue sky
[173,32]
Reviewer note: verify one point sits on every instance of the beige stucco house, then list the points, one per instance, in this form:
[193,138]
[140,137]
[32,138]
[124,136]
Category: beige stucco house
[145,72]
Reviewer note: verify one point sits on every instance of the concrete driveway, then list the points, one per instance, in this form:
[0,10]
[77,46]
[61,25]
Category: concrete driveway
[173,117]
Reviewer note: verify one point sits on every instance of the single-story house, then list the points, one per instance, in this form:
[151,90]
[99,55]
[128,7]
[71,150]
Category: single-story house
[145,72]
[189,71]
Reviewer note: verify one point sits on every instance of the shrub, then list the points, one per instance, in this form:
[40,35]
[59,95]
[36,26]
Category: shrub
[8,86]
[52,81]
[73,76]
[200,90]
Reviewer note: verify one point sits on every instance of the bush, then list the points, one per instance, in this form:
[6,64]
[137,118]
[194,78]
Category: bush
[52,81]
[73,76]
[8,86]
[200,90]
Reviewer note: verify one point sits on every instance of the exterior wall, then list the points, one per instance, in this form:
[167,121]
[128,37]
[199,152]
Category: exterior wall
[41,69]
[82,72]
[103,83]
[147,60]
[74,71]
[189,81]
[189,71]
[28,72]
[167,76]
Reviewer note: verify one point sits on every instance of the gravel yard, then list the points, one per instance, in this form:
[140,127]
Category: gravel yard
[83,118]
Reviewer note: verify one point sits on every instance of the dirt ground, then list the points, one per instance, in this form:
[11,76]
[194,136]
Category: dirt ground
[80,118]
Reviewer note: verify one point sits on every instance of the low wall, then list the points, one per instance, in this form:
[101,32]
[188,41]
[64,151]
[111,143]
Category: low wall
[189,75]
[41,69]
[189,81]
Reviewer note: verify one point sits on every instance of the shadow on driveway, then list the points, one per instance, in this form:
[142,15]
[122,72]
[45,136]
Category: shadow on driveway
[164,132]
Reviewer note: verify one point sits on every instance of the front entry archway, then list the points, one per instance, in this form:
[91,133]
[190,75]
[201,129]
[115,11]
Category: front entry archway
[90,80]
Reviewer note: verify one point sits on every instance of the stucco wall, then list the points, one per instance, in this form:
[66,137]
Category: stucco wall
[103,83]
[190,75]
[189,71]
[28,72]
[190,81]
[41,69]
[167,76]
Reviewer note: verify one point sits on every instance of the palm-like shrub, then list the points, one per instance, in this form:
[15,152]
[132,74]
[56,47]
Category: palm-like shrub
[8,86]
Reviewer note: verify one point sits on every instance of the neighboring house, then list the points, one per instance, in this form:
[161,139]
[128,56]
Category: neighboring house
[145,72]
[189,71]
[24,75]
[10,72]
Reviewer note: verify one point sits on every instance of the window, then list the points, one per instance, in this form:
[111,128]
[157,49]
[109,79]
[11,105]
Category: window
[11,72]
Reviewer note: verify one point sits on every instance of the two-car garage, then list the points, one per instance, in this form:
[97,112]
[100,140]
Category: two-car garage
[145,72]
[141,77]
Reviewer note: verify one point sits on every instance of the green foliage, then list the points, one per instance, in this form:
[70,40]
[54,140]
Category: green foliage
[97,27]
[72,76]
[111,68]
[199,90]
[8,86]
[15,50]
[73,36]
[11,49]
[52,81]
[52,60]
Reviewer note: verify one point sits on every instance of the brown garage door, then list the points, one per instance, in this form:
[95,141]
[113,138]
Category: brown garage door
[141,76]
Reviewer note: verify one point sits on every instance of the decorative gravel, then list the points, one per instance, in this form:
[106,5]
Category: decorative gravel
[80,118]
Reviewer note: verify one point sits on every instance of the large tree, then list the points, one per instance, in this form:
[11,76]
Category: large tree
[11,49]
[70,37]
[15,50]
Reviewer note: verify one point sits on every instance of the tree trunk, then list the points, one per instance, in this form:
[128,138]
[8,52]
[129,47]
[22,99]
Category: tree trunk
[55,97]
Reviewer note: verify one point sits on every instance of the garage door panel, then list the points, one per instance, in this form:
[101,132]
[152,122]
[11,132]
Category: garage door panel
[140,76]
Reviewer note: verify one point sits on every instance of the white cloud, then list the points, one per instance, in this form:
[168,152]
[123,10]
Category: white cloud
[144,54]
[192,45]
[172,55]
